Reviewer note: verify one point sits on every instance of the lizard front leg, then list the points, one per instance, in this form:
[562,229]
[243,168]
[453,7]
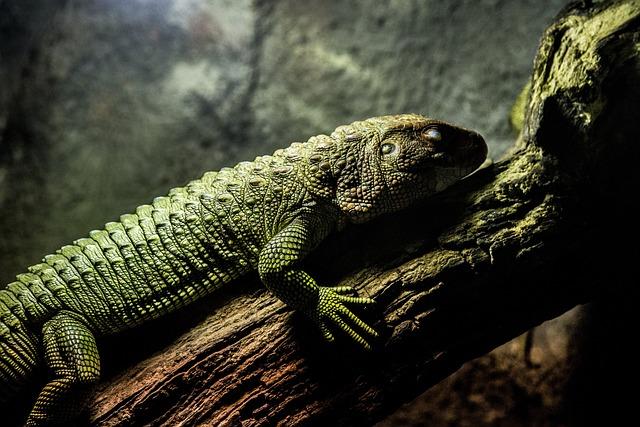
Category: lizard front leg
[279,268]
[71,354]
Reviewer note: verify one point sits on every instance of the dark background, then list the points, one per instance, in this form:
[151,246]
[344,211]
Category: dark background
[105,104]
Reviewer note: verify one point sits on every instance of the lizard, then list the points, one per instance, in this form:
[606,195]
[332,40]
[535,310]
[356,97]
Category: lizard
[264,215]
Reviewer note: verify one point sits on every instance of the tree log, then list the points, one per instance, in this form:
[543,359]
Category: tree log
[518,242]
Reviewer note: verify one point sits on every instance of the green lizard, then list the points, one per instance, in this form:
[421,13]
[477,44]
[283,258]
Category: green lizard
[266,215]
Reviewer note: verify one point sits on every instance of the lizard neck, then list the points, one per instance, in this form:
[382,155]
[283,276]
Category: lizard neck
[321,163]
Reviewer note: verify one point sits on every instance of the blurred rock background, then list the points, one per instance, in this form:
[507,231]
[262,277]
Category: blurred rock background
[105,104]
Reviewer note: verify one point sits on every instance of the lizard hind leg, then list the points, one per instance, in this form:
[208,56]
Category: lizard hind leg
[71,354]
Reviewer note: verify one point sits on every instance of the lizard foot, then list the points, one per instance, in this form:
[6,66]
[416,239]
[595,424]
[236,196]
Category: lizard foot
[332,310]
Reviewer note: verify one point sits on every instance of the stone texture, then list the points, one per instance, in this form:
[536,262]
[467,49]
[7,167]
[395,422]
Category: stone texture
[118,102]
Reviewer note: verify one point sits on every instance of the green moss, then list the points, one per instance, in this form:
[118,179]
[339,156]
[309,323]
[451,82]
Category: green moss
[516,116]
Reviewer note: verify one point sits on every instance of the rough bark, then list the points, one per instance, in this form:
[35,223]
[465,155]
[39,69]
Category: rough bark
[519,242]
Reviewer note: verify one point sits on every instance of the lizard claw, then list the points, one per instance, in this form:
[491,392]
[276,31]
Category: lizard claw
[344,290]
[331,309]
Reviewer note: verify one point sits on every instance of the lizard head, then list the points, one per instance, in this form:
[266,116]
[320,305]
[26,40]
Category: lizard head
[384,164]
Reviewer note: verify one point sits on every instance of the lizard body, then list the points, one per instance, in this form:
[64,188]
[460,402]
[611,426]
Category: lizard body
[265,215]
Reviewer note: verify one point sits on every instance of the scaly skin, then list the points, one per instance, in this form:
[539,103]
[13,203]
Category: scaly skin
[266,215]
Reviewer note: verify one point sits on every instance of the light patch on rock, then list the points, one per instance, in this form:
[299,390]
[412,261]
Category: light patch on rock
[192,78]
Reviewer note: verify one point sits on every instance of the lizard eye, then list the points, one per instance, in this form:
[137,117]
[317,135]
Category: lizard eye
[387,148]
[431,134]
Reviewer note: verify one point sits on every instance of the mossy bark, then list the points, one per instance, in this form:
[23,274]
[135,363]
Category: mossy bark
[519,242]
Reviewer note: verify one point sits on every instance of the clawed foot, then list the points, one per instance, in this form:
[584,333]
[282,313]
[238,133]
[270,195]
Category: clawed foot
[332,310]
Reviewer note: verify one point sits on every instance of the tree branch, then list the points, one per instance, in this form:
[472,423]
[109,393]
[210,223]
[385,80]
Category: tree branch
[517,243]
